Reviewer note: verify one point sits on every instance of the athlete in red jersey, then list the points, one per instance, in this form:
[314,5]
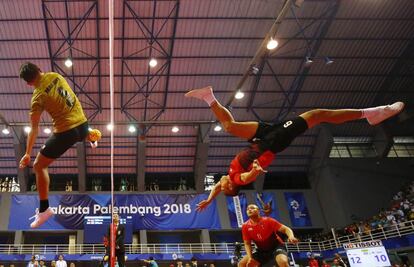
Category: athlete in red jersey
[313,262]
[268,139]
[263,232]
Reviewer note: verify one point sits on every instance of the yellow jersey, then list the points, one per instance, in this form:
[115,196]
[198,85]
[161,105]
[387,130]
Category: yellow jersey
[56,97]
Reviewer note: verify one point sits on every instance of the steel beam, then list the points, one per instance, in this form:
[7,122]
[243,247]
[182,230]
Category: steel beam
[256,61]
[70,38]
[303,70]
[201,157]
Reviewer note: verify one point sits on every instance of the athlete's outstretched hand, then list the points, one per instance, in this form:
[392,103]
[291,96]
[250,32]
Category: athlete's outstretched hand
[257,167]
[293,240]
[202,205]
[24,161]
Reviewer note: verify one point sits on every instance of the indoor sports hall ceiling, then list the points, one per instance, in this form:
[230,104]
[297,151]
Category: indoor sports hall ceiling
[199,43]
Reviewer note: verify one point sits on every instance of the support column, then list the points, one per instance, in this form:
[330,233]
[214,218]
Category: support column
[143,236]
[72,244]
[322,187]
[223,211]
[18,238]
[141,159]
[205,236]
[258,184]
[200,164]
[205,239]
[81,153]
[19,140]
[323,148]
[382,141]
[79,237]
[143,240]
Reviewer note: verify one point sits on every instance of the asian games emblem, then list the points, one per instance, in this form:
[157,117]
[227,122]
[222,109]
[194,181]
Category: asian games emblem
[294,204]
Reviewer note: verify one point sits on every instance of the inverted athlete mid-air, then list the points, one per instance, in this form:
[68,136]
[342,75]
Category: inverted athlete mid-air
[268,139]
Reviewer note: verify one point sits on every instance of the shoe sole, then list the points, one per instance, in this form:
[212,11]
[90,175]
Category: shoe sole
[34,227]
[395,114]
[190,94]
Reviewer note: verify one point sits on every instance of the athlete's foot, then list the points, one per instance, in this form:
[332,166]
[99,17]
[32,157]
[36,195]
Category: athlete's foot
[385,112]
[41,217]
[201,93]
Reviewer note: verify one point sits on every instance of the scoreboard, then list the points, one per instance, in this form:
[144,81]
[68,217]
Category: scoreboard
[96,227]
[369,253]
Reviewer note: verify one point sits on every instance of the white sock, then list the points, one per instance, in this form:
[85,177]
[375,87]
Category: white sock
[210,99]
[369,112]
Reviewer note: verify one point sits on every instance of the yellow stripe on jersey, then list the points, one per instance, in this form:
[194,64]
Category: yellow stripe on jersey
[56,97]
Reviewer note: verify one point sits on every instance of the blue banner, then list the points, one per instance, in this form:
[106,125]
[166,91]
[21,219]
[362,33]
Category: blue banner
[158,212]
[298,211]
[266,201]
[236,207]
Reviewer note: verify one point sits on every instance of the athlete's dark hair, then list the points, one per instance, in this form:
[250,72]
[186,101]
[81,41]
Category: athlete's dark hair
[29,71]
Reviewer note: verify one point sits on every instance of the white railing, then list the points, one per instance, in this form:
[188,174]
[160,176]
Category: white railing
[216,248]
[398,230]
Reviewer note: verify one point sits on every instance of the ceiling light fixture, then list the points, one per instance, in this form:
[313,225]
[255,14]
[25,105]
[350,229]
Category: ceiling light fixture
[239,95]
[68,62]
[328,61]
[153,62]
[272,44]
[308,60]
[132,129]
[175,129]
[109,127]
[217,128]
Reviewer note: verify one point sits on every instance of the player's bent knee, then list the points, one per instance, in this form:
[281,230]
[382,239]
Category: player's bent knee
[37,165]
[282,260]
[228,126]
[41,162]
[314,117]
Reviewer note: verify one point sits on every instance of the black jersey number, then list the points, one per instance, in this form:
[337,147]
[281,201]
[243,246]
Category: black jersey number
[68,98]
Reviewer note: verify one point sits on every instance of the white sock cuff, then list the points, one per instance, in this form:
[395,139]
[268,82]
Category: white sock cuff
[210,99]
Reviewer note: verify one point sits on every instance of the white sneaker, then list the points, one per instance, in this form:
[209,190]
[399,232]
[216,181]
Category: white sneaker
[386,112]
[41,217]
[200,93]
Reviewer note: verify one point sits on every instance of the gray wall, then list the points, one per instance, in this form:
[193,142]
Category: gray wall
[358,186]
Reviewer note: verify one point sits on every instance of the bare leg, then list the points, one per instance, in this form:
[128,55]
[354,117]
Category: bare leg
[240,129]
[282,260]
[336,116]
[243,263]
[374,115]
[244,130]
[40,167]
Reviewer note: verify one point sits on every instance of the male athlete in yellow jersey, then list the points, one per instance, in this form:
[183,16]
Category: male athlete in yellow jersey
[70,125]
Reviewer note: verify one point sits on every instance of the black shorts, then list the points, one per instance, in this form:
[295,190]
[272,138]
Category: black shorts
[58,143]
[277,137]
[264,257]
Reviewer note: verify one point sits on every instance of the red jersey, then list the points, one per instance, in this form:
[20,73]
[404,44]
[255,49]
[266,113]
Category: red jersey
[243,161]
[313,263]
[263,234]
